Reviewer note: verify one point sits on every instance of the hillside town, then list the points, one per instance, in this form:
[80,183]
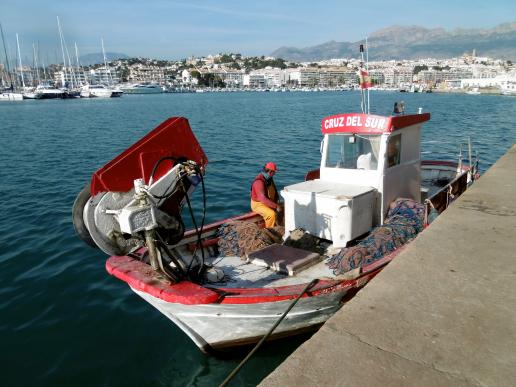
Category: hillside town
[229,72]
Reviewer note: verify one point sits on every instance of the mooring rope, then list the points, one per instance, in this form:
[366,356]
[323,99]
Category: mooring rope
[235,371]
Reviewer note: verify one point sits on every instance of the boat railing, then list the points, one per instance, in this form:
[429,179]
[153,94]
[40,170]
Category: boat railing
[440,201]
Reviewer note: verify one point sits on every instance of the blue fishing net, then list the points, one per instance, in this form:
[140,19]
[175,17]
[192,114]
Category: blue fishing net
[405,219]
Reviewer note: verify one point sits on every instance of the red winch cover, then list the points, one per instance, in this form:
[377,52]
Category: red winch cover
[173,138]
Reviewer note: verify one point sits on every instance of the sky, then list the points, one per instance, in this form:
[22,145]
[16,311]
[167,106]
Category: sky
[169,29]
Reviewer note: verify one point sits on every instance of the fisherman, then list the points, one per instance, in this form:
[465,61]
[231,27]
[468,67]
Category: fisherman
[399,108]
[264,195]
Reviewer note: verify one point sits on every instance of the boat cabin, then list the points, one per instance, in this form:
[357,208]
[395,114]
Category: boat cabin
[367,162]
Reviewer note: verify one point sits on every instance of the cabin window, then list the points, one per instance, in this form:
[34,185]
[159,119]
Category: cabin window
[352,151]
[394,151]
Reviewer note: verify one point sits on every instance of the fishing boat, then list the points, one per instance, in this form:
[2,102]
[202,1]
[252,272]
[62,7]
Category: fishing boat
[131,210]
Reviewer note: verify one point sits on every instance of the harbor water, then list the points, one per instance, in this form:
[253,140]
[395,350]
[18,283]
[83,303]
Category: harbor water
[66,322]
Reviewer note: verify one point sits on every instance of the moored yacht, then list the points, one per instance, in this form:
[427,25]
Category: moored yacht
[143,88]
[96,91]
[474,91]
[10,96]
[30,93]
[508,87]
[116,91]
[47,90]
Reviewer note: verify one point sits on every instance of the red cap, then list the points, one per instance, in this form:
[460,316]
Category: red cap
[271,166]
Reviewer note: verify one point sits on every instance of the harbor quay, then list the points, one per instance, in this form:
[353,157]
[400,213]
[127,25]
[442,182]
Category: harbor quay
[443,313]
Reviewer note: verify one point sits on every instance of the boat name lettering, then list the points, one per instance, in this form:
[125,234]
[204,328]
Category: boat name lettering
[376,123]
[354,121]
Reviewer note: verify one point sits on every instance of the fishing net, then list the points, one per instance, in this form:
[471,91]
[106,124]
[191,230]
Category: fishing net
[240,238]
[404,221]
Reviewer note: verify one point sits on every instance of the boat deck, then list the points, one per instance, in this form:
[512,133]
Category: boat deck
[242,274]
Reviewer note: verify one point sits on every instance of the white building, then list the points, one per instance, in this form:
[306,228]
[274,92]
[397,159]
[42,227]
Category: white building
[105,76]
[497,81]
[254,81]
[232,78]
[146,73]
[187,79]
[272,77]
[395,76]
[71,78]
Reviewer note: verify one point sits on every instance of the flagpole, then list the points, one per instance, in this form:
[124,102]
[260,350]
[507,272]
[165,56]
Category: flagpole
[367,69]
[362,100]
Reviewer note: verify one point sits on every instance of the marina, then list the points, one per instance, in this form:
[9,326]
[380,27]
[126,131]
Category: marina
[58,291]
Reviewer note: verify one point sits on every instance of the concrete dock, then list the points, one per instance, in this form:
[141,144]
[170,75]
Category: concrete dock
[443,313]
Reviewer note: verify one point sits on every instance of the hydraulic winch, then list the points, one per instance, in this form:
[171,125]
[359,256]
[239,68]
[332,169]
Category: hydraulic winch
[135,200]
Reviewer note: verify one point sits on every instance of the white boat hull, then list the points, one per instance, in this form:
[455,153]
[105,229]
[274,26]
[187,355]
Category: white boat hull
[96,94]
[50,94]
[11,97]
[215,327]
[143,90]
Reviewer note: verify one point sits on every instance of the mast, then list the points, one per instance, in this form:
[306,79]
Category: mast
[365,80]
[73,78]
[79,70]
[36,62]
[362,94]
[44,69]
[7,59]
[62,50]
[19,58]
[110,80]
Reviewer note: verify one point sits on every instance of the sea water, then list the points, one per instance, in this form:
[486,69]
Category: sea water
[64,320]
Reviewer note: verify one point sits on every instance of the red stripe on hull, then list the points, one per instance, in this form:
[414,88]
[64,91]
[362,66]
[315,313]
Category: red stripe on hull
[142,277]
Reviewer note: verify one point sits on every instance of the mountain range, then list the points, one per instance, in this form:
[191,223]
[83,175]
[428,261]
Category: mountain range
[414,42]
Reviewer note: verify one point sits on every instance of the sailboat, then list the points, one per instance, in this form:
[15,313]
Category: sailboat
[31,93]
[73,91]
[115,91]
[9,94]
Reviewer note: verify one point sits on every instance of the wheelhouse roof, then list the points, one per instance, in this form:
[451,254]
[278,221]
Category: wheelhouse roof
[359,123]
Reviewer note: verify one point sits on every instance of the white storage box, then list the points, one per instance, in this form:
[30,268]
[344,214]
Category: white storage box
[337,212]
